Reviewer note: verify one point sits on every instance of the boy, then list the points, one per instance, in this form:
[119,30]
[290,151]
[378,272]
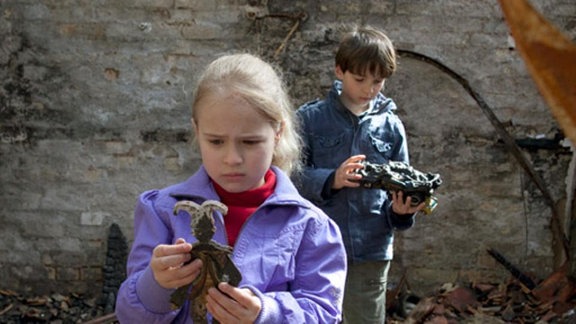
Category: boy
[355,122]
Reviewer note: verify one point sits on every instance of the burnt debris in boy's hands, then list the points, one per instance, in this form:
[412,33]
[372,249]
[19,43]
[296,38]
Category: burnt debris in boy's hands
[399,176]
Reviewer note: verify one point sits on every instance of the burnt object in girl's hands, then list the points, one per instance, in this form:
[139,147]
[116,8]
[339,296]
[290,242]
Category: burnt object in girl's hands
[217,266]
[399,176]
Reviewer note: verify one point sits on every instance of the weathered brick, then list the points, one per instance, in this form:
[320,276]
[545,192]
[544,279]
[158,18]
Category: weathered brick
[67,274]
[91,274]
[95,108]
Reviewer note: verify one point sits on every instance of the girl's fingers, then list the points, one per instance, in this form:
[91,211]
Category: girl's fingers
[165,249]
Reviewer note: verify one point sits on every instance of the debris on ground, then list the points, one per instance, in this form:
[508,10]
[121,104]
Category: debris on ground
[520,300]
[487,303]
[54,309]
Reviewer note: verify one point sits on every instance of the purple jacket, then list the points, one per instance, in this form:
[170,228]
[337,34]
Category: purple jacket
[289,252]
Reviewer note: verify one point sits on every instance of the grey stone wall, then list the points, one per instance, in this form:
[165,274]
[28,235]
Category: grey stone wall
[94,109]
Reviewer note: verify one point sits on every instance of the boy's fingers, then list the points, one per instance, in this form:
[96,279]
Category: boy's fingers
[358,158]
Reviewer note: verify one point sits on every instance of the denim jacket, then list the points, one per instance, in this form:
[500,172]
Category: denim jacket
[289,252]
[332,134]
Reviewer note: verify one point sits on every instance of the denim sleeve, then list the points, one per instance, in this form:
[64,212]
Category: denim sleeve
[399,222]
[402,222]
[406,221]
[328,192]
[312,184]
[312,181]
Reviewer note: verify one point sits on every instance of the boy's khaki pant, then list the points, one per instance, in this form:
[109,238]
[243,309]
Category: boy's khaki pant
[365,293]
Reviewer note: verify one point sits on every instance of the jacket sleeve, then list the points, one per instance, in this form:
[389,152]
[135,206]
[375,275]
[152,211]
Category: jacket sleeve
[312,180]
[312,183]
[316,294]
[140,298]
[400,222]
[400,152]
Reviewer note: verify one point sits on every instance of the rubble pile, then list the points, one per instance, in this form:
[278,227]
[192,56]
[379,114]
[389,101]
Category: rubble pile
[509,302]
[523,299]
[483,303]
[54,309]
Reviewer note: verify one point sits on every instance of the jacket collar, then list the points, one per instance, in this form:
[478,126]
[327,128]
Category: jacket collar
[378,105]
[199,187]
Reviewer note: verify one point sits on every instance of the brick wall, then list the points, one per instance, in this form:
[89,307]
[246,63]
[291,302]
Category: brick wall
[94,109]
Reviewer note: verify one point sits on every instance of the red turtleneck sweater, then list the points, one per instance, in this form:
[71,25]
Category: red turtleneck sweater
[242,204]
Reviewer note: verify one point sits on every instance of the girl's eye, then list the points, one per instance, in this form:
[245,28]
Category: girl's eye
[251,142]
[215,142]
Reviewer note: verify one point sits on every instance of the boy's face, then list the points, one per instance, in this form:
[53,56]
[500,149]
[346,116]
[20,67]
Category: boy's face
[358,90]
[236,142]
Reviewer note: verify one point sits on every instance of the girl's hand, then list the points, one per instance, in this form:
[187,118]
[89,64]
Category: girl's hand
[169,266]
[233,305]
[345,175]
[401,207]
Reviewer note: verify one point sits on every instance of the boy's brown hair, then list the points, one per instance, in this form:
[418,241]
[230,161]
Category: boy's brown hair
[366,50]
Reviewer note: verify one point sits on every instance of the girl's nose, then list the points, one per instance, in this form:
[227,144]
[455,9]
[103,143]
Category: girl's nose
[233,155]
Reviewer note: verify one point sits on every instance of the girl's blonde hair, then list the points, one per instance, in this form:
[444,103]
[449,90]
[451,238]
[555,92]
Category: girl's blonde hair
[261,85]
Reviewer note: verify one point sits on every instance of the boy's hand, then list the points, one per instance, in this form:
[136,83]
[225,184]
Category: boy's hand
[169,266]
[233,305]
[401,206]
[346,175]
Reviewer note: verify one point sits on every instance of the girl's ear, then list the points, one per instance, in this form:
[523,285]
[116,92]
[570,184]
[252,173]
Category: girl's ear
[279,132]
[339,73]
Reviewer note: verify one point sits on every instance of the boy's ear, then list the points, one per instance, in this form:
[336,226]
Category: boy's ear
[339,73]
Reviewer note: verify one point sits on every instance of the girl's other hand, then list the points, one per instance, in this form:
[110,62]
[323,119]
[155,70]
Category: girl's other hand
[233,305]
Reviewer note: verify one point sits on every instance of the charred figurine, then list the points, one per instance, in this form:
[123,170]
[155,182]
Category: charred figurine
[217,265]
[399,176]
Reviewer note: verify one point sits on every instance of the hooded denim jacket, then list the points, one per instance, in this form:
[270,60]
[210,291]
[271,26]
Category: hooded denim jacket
[290,254]
[332,134]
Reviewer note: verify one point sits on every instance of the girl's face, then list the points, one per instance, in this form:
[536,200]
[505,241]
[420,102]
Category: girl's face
[236,142]
[358,90]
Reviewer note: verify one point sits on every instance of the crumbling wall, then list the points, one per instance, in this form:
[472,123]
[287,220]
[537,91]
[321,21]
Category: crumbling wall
[94,109]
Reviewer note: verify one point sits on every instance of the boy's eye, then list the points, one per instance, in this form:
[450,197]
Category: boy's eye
[251,142]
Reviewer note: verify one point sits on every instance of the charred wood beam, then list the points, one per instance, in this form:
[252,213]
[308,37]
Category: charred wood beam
[561,243]
[539,144]
[516,273]
[297,17]
[549,56]
[106,319]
